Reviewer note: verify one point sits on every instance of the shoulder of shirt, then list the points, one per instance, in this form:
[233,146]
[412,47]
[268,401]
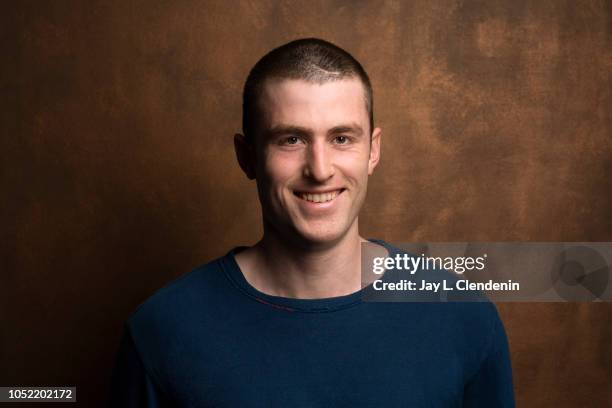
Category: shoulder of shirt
[475,310]
[181,294]
[158,324]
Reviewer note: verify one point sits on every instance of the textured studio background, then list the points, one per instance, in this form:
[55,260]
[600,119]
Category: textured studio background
[117,170]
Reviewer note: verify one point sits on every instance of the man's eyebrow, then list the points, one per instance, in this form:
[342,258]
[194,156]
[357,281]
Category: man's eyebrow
[349,128]
[281,129]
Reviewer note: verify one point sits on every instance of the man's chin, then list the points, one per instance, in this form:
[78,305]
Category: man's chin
[321,237]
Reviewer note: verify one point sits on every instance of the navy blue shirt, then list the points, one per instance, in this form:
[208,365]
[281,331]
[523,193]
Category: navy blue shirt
[210,339]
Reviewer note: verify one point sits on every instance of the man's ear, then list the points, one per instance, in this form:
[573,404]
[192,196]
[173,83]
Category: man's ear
[245,154]
[374,150]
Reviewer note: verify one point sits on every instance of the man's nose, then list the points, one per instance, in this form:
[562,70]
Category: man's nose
[319,164]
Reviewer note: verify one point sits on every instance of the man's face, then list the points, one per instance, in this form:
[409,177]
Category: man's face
[313,157]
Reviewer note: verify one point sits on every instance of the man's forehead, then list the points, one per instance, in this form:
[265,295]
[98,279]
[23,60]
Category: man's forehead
[297,100]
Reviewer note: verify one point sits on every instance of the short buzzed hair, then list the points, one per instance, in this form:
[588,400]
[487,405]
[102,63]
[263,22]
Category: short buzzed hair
[310,59]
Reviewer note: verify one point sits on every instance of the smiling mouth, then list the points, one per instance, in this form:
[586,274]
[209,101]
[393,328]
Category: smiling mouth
[318,197]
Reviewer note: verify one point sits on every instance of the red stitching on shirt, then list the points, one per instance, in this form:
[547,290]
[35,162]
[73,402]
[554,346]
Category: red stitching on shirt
[287,309]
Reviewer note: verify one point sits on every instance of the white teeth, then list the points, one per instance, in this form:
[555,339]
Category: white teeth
[319,198]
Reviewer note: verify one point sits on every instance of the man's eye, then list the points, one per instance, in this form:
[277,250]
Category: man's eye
[292,140]
[341,139]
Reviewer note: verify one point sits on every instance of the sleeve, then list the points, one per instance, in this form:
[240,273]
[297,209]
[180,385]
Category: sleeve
[131,385]
[492,385]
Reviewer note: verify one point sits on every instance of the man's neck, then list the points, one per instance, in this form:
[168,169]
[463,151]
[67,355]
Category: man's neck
[277,268]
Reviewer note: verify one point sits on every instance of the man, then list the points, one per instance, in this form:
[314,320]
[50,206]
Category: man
[283,323]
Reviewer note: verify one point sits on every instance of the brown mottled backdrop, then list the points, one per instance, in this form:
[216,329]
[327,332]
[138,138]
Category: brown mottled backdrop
[117,170]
